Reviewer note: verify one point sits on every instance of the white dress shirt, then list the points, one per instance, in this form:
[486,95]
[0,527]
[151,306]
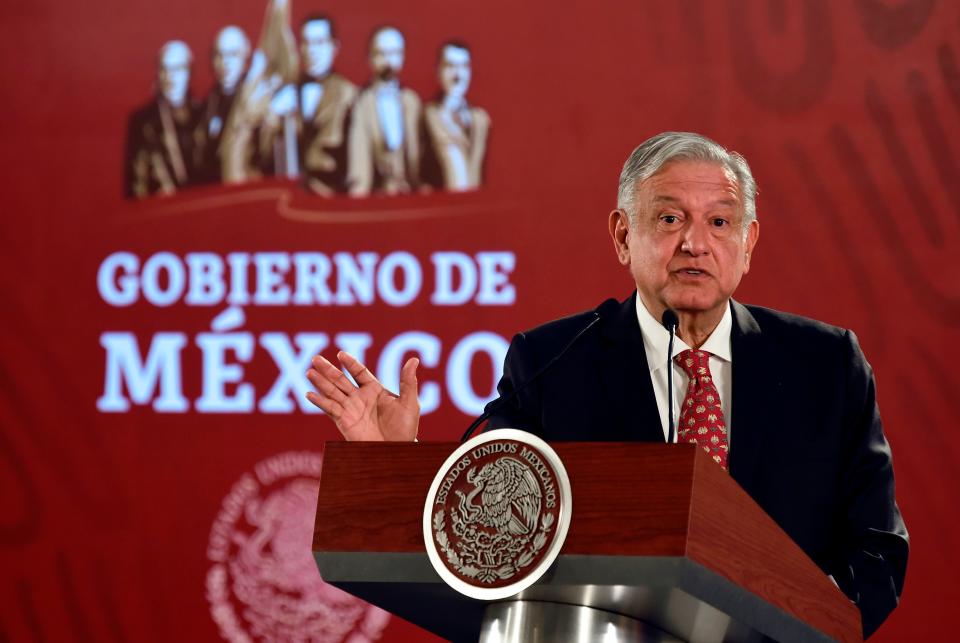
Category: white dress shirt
[390,114]
[656,340]
[310,95]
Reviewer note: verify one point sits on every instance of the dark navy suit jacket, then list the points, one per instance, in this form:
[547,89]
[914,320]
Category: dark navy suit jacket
[806,441]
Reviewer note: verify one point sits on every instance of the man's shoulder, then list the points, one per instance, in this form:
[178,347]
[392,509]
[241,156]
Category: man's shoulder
[561,328]
[144,122]
[149,111]
[344,89]
[410,98]
[612,318]
[790,328]
[536,346]
[480,116]
[366,97]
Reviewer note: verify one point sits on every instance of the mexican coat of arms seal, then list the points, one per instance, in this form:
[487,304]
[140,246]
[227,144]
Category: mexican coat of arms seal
[497,514]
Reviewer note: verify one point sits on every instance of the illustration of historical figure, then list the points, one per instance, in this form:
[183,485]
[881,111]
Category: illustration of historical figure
[455,132]
[231,52]
[320,103]
[161,144]
[383,154]
[260,135]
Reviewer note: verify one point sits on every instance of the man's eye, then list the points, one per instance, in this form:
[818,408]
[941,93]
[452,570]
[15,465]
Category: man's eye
[719,223]
[669,218]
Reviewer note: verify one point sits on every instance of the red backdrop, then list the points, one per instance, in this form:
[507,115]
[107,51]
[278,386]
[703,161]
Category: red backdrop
[109,521]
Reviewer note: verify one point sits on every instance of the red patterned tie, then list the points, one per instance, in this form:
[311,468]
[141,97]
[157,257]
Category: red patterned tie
[701,418]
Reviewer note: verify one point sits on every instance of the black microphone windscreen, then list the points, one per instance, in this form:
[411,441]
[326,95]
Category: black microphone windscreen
[607,308]
[669,319]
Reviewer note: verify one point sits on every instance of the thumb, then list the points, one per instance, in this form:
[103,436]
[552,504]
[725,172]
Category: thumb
[408,381]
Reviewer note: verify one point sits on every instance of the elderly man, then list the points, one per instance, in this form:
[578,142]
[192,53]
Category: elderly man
[383,153]
[455,131]
[231,52]
[787,405]
[161,143]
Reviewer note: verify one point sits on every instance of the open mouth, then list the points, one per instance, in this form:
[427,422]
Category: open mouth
[691,274]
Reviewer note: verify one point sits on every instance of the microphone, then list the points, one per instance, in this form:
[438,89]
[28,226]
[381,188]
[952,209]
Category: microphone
[601,311]
[670,321]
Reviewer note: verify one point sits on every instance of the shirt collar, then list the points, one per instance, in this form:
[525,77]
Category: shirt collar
[656,339]
[387,87]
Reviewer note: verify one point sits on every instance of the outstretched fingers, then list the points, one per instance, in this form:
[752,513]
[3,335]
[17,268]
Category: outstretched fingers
[360,373]
[325,387]
[328,398]
[333,375]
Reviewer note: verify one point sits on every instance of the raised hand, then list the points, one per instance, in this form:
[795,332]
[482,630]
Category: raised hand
[367,412]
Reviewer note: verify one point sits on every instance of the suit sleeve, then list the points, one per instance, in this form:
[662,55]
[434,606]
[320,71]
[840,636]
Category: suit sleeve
[874,539]
[359,179]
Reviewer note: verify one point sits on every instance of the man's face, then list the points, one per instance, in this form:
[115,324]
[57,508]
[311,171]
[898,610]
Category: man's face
[173,73]
[318,48]
[687,249]
[386,54]
[230,57]
[455,71]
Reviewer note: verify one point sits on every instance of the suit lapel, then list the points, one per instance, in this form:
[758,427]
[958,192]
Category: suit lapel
[626,377]
[327,101]
[411,126]
[366,112]
[754,390]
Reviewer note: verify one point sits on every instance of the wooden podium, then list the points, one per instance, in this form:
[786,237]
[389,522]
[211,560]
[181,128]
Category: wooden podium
[659,534]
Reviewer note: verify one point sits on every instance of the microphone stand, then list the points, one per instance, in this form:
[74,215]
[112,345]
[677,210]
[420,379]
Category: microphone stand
[670,321]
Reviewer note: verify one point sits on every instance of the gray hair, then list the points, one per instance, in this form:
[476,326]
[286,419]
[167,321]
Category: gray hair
[654,153]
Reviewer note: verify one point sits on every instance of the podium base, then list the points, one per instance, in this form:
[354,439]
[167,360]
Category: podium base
[516,621]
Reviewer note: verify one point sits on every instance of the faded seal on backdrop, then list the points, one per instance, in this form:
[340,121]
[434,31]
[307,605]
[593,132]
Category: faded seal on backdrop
[497,514]
[263,584]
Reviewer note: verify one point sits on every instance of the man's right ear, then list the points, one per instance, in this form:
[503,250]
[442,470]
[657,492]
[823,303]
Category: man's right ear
[619,226]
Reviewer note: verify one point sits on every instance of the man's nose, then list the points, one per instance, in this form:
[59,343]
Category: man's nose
[695,238]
